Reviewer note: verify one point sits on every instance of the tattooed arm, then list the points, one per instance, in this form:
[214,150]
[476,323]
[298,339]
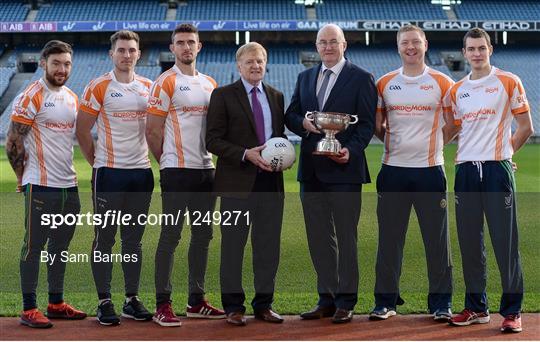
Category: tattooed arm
[15,148]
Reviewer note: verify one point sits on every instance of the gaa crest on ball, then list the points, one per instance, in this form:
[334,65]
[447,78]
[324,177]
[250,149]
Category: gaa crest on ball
[279,153]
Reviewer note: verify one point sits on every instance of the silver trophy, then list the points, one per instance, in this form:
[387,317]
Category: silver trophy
[330,123]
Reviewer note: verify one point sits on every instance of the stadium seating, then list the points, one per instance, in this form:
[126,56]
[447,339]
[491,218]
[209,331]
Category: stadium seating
[283,77]
[222,73]
[102,10]
[525,63]
[6,73]
[13,10]
[152,55]
[377,60]
[498,10]
[240,10]
[57,10]
[277,54]
[379,10]
[88,63]
[218,61]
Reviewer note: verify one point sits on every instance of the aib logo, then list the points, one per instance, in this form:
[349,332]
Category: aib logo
[395,87]
[184,88]
[49,104]
[464,95]
[116,95]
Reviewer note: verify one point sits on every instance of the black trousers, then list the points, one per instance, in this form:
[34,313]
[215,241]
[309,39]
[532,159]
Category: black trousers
[262,211]
[40,200]
[128,191]
[400,189]
[331,215]
[183,189]
[488,189]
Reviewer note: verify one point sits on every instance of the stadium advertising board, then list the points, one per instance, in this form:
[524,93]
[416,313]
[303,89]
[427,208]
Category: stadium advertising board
[264,25]
[442,25]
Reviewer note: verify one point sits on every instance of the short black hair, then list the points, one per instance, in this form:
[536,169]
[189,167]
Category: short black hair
[476,33]
[55,47]
[187,28]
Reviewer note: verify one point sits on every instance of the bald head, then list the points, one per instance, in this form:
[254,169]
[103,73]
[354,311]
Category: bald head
[333,29]
[331,44]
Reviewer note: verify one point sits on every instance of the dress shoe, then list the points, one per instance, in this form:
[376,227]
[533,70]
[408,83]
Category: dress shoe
[319,312]
[342,316]
[269,316]
[236,318]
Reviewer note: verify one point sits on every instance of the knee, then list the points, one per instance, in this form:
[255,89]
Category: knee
[169,238]
[29,253]
[103,243]
[131,246]
[201,236]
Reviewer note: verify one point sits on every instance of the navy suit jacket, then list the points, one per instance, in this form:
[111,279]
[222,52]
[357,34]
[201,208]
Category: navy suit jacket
[353,93]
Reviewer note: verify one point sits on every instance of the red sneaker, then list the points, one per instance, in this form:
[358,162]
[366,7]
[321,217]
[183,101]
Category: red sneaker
[468,317]
[33,318]
[512,323]
[65,311]
[165,316]
[204,310]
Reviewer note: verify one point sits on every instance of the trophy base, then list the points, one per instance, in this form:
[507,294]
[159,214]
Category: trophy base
[327,147]
[325,153]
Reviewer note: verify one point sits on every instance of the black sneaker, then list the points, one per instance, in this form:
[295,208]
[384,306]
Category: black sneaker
[442,315]
[381,313]
[106,314]
[135,309]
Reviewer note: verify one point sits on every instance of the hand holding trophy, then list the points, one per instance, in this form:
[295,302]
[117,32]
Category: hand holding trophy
[330,123]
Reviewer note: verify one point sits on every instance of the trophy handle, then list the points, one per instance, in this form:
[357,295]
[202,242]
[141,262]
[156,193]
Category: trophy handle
[355,117]
[309,116]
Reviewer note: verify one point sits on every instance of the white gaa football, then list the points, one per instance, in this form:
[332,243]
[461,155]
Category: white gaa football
[280,153]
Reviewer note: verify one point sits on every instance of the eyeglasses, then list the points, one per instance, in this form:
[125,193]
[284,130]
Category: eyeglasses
[323,43]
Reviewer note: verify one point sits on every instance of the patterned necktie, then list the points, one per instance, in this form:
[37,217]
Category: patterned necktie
[258,116]
[322,90]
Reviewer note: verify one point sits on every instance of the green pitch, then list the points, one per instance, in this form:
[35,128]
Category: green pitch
[296,285]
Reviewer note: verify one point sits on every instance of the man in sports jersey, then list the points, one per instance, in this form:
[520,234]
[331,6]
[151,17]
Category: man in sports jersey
[484,104]
[122,179]
[39,147]
[175,132]
[409,121]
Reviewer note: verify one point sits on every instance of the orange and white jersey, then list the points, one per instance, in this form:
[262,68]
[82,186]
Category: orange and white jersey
[183,100]
[413,109]
[49,143]
[485,108]
[121,120]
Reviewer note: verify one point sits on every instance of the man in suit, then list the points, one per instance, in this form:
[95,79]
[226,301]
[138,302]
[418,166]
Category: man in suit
[330,186]
[241,117]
